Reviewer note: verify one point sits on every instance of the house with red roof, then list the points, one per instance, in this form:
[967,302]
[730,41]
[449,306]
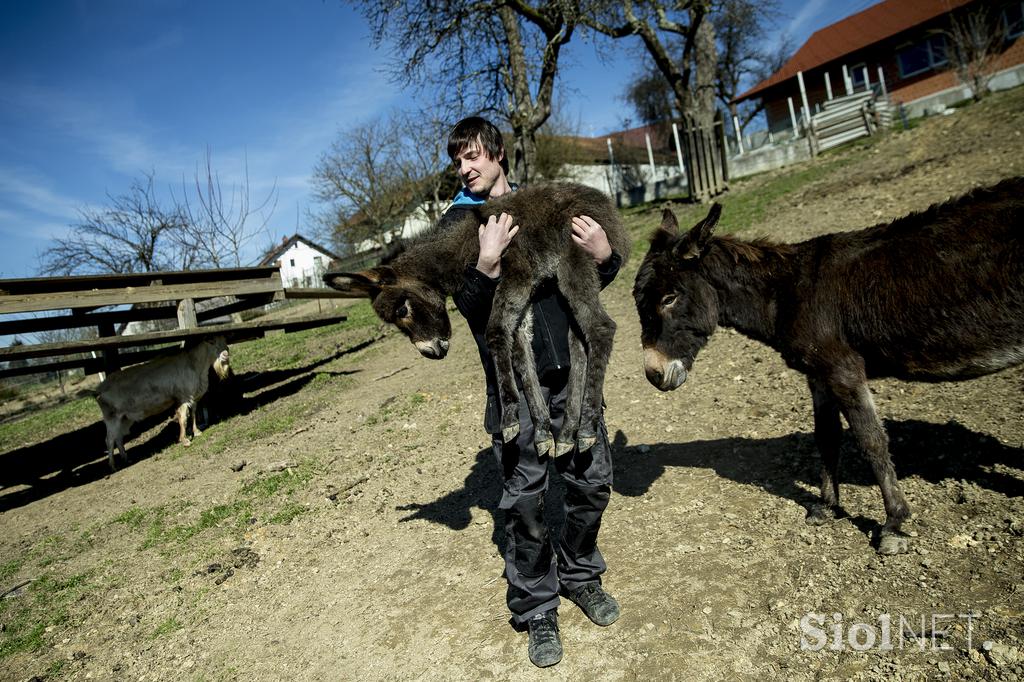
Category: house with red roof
[899,46]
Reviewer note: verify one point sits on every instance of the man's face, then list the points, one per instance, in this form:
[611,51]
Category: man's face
[478,172]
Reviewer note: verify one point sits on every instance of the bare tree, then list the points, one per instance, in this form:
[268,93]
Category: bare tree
[742,55]
[134,234]
[661,26]
[483,56]
[976,37]
[218,228]
[367,182]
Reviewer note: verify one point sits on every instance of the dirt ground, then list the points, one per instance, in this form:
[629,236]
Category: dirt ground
[388,564]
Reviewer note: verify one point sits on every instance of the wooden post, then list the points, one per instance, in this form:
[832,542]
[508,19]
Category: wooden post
[187,314]
[881,82]
[803,92]
[828,86]
[611,168]
[867,79]
[650,154]
[847,81]
[739,135]
[792,117]
[679,150]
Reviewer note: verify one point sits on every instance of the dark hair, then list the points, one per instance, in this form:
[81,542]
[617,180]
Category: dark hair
[469,130]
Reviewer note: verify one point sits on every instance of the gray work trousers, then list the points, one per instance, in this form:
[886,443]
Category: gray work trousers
[534,568]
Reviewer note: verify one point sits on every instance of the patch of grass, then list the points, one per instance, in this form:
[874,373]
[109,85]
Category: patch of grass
[39,425]
[168,626]
[268,494]
[361,316]
[44,604]
[268,425]
[285,515]
[10,568]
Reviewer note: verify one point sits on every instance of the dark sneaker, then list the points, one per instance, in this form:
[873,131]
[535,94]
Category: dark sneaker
[599,606]
[545,644]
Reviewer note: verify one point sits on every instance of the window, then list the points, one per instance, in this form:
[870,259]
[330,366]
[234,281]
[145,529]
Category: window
[292,262]
[857,74]
[1013,18]
[922,56]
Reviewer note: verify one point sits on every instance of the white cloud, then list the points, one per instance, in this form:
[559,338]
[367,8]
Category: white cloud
[808,12]
[19,188]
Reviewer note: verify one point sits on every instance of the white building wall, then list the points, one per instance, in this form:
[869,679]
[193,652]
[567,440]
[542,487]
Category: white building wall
[302,265]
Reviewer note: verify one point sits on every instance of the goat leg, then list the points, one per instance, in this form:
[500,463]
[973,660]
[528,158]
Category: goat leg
[182,417]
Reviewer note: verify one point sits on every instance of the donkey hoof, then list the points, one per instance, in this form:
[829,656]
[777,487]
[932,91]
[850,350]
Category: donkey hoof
[563,447]
[893,544]
[509,433]
[586,442]
[819,515]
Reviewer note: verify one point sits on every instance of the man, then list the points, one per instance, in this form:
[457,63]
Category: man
[535,574]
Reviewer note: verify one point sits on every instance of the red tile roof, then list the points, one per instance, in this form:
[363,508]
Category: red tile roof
[856,32]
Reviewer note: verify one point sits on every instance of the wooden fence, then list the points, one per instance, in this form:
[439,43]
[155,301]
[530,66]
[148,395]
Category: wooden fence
[704,158]
[86,301]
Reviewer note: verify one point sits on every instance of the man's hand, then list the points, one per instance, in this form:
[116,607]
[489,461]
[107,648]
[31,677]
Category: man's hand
[495,236]
[590,236]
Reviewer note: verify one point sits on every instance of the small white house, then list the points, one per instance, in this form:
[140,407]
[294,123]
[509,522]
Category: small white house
[301,260]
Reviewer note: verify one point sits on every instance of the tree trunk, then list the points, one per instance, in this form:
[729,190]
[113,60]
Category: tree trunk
[705,63]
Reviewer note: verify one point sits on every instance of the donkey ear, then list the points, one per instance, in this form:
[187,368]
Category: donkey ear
[666,233]
[693,245]
[365,284]
[668,222]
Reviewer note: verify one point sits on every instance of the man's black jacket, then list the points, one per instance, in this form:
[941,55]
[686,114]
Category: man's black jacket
[551,317]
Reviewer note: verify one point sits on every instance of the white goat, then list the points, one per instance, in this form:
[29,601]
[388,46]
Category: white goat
[144,390]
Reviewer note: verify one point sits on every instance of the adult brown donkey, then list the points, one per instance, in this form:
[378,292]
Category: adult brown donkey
[933,296]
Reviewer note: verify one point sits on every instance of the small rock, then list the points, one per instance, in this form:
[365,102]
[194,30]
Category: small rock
[239,465]
[943,667]
[1001,655]
[279,466]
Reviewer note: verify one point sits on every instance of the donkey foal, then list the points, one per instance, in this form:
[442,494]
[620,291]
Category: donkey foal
[411,292]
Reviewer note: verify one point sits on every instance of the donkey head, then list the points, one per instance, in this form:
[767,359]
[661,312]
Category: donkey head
[416,308]
[678,307]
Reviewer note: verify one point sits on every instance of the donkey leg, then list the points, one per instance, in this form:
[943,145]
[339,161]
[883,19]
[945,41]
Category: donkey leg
[574,394]
[507,311]
[827,434]
[857,405]
[524,362]
[581,289]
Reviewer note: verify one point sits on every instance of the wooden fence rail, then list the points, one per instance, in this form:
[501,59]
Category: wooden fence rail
[81,297]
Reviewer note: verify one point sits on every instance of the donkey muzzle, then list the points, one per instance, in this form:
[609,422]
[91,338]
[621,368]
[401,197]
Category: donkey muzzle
[667,378]
[435,349]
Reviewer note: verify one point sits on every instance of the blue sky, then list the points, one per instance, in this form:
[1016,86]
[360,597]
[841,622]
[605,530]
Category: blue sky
[95,93]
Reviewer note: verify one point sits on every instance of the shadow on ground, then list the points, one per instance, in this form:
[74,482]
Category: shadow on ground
[933,452]
[77,457]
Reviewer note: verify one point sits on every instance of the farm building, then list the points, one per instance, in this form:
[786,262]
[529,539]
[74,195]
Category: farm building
[902,48]
[302,261]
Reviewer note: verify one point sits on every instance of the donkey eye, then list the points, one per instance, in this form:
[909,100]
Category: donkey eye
[403,312]
[667,300]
